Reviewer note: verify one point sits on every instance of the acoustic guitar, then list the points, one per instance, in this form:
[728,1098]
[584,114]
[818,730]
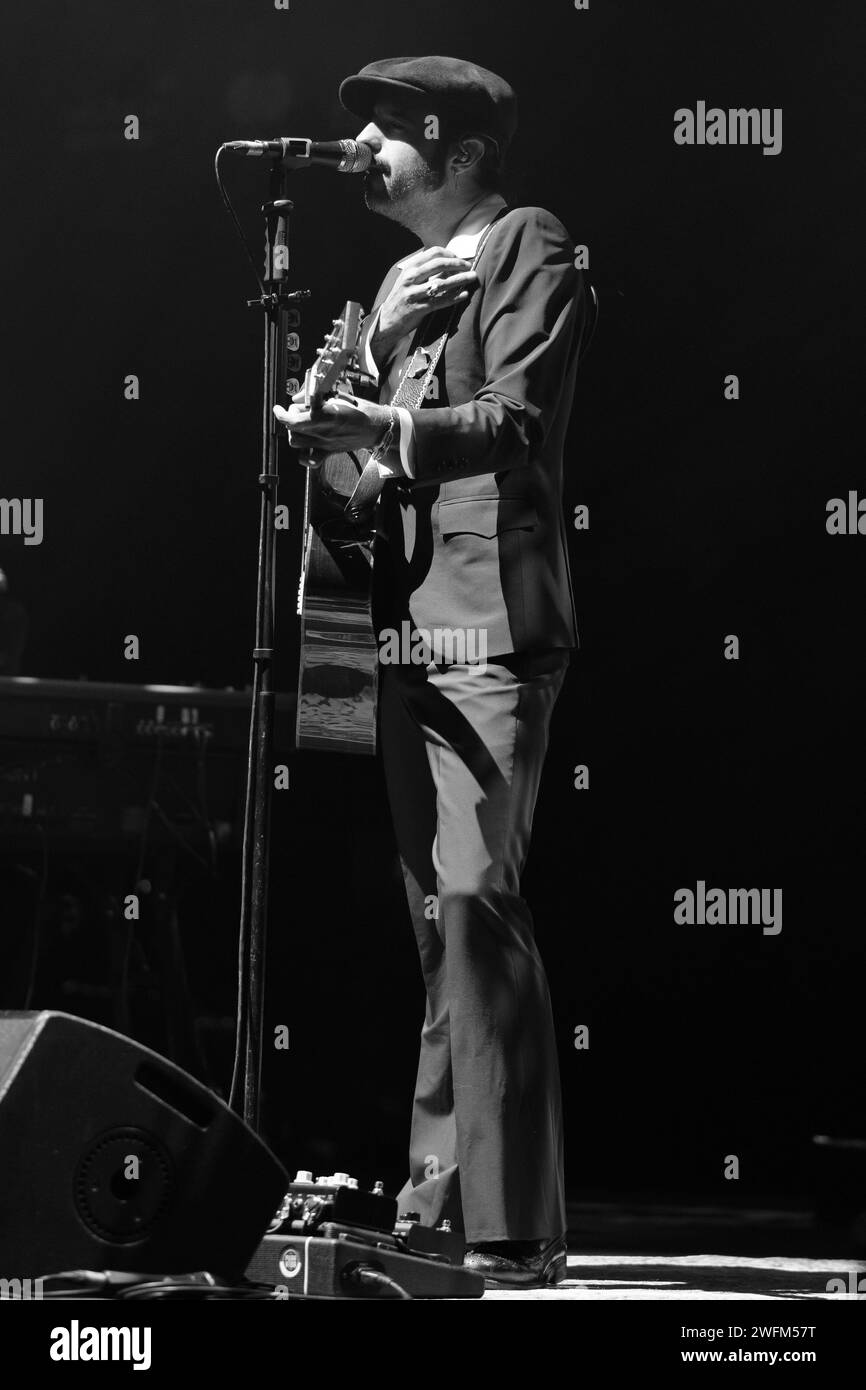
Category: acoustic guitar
[338,675]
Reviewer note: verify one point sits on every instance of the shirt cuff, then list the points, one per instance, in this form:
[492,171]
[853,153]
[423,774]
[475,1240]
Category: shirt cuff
[407,440]
[369,361]
[406,449]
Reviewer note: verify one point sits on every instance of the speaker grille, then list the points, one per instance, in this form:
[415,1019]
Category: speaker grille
[124,1183]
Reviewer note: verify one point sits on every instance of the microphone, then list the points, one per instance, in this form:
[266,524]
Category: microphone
[346,156]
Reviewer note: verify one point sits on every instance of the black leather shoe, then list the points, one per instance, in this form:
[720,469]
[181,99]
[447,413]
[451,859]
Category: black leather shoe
[525,1264]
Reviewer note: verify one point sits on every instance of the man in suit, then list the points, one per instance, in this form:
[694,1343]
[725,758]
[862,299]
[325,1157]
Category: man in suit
[473,340]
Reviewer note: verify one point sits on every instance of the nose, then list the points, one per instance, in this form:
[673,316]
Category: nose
[370,135]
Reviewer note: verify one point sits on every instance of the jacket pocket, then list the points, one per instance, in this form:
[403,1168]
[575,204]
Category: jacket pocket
[485,516]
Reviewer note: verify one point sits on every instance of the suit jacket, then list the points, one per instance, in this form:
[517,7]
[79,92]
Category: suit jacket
[476,539]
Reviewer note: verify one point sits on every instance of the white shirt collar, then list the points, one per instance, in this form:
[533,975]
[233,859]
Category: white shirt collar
[464,243]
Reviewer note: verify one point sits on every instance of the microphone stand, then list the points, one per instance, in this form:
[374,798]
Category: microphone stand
[245,1095]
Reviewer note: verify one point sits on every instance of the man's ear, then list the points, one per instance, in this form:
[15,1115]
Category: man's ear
[467,153]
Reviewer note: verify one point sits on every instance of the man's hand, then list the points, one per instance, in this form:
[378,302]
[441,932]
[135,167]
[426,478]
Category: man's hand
[429,279]
[340,423]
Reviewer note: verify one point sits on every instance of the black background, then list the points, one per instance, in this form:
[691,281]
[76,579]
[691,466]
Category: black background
[707,518]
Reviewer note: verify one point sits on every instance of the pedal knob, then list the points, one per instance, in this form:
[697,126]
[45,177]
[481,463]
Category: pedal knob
[379,1188]
[341,1179]
[303,1175]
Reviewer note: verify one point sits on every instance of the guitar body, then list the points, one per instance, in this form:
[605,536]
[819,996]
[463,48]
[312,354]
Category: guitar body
[339,665]
[338,677]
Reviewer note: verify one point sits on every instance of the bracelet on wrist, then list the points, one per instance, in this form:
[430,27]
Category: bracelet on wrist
[387,439]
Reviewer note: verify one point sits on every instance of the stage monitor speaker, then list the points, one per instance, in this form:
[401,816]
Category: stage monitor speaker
[113,1158]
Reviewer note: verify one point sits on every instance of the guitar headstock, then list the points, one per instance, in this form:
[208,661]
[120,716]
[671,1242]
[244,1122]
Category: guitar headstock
[337,354]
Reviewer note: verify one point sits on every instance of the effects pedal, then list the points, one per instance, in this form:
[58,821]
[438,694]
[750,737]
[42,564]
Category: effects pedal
[331,1238]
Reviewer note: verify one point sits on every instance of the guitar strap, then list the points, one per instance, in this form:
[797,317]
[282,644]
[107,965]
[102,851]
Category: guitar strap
[410,392]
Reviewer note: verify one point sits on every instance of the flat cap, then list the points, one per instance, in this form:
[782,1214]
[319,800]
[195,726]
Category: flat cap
[483,100]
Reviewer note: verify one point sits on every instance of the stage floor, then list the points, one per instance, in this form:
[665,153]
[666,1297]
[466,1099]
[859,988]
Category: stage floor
[702,1277]
[639,1249]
